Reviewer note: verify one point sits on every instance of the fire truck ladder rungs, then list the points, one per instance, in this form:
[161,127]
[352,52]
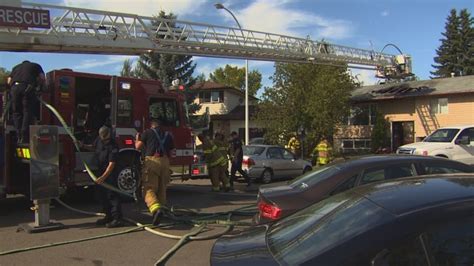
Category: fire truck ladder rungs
[78,30]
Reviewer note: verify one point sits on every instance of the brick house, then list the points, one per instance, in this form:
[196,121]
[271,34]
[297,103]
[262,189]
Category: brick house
[413,109]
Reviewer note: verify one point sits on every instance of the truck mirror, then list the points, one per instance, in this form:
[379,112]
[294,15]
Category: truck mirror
[464,140]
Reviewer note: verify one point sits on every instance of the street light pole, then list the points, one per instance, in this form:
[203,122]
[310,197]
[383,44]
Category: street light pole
[221,6]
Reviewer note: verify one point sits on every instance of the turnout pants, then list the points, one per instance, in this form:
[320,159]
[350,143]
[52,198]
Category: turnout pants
[24,104]
[218,175]
[155,179]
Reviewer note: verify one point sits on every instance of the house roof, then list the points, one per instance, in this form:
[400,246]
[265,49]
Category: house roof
[238,113]
[443,86]
[210,85]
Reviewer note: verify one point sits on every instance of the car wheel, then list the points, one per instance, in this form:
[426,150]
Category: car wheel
[267,176]
[307,169]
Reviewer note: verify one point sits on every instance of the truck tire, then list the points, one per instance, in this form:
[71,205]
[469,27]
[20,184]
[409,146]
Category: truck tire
[128,172]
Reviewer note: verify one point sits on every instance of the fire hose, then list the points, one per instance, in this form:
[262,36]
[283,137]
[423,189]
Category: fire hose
[199,220]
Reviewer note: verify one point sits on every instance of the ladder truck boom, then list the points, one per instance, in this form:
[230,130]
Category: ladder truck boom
[79,30]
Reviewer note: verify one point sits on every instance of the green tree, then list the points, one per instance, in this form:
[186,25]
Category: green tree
[455,54]
[466,31]
[313,97]
[3,77]
[168,67]
[235,77]
[379,136]
[127,69]
[447,54]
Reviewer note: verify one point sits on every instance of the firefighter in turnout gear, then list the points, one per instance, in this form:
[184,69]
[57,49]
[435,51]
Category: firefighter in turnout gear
[294,145]
[324,151]
[216,163]
[157,144]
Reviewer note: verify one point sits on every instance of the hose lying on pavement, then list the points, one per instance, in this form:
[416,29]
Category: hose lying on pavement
[199,220]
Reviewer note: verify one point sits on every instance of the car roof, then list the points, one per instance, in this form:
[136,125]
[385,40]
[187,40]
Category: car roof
[404,195]
[381,159]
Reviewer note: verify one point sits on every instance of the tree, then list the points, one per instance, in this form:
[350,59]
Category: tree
[455,54]
[305,96]
[235,77]
[127,70]
[3,76]
[466,43]
[379,136]
[167,67]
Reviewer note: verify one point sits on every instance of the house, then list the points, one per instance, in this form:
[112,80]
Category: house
[226,106]
[413,109]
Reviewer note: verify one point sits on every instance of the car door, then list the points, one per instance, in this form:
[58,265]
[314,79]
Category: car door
[293,169]
[380,173]
[276,161]
[464,152]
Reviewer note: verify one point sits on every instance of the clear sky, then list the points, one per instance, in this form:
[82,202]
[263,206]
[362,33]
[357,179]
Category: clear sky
[415,26]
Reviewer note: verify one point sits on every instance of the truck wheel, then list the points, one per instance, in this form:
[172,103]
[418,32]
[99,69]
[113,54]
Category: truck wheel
[267,176]
[127,179]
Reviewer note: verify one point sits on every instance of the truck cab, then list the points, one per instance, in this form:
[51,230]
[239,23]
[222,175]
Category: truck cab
[455,143]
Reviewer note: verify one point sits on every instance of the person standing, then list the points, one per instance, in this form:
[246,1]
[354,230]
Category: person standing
[215,162]
[237,157]
[106,152]
[324,150]
[157,144]
[24,80]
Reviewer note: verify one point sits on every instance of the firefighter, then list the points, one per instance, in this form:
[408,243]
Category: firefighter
[106,151]
[237,156]
[157,144]
[324,151]
[216,163]
[294,145]
[25,80]
[219,140]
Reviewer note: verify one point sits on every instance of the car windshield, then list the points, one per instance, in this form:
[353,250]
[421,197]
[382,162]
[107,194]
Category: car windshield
[253,150]
[314,177]
[442,135]
[308,233]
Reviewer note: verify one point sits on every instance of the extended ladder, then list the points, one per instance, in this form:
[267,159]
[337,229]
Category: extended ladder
[78,30]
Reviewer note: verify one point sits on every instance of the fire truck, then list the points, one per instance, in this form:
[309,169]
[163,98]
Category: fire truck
[125,104]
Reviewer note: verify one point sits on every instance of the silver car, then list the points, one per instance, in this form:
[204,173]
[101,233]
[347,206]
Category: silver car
[269,162]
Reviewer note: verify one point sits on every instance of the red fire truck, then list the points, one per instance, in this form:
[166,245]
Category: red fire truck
[128,103]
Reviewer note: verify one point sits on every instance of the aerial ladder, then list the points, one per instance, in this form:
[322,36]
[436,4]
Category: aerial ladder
[79,30]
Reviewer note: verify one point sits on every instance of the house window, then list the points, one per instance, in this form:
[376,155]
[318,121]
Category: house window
[211,97]
[362,115]
[439,106]
[204,97]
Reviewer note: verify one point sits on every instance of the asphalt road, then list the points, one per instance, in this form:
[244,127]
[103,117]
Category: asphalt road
[136,248]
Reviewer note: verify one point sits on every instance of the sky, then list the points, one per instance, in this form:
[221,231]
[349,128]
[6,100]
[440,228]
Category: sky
[415,26]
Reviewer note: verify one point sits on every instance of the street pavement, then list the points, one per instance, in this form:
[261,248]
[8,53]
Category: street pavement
[136,248]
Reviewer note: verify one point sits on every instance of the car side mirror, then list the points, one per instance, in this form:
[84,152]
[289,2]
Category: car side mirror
[463,141]
[380,259]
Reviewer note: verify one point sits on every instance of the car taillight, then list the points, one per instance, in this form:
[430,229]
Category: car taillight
[128,141]
[268,210]
[249,162]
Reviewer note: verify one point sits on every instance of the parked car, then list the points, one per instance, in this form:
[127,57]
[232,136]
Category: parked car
[456,143]
[280,201]
[409,221]
[269,162]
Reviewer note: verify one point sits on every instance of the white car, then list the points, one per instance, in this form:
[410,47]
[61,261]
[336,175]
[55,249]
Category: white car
[455,143]
[269,162]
